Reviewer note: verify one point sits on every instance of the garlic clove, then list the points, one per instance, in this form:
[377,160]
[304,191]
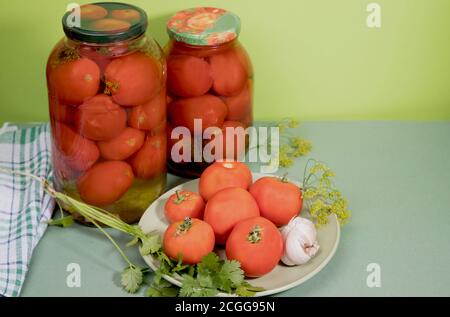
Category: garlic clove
[300,241]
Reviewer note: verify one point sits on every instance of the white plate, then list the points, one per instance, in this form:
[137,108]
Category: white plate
[281,278]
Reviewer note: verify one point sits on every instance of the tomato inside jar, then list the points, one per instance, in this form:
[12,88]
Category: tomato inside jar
[209,81]
[107,101]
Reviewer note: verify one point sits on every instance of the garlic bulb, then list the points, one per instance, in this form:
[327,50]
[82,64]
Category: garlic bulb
[300,241]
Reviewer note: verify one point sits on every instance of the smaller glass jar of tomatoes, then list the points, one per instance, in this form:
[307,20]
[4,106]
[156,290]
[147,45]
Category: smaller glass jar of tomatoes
[209,78]
[107,100]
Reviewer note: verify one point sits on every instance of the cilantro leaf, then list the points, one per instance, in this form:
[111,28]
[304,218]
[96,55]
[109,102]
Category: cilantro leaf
[63,222]
[192,287]
[162,288]
[151,243]
[248,290]
[210,264]
[132,279]
[232,271]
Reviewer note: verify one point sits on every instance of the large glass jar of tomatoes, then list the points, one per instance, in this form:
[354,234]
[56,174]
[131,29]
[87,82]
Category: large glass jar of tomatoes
[209,77]
[107,99]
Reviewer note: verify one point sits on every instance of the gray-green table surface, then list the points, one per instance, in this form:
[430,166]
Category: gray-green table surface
[396,176]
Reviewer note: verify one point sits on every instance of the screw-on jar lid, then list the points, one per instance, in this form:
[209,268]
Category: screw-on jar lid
[204,26]
[105,22]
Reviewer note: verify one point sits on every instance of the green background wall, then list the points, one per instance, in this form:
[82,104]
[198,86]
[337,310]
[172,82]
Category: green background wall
[314,60]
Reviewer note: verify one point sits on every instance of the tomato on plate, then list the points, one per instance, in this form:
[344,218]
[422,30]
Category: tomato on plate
[78,152]
[188,76]
[210,109]
[240,105]
[228,72]
[133,79]
[122,146]
[150,160]
[257,244]
[148,116]
[100,118]
[92,12]
[221,175]
[184,204]
[228,207]
[129,15]
[110,25]
[278,199]
[191,239]
[105,183]
[75,81]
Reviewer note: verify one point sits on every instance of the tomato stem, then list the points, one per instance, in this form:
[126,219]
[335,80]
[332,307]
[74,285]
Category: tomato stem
[185,226]
[254,236]
[180,198]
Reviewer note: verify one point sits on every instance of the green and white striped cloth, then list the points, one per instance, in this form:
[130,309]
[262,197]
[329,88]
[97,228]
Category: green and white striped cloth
[24,206]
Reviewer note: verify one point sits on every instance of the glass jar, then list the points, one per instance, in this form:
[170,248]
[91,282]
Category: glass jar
[209,77]
[107,103]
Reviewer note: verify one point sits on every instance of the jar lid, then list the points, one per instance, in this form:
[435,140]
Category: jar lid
[105,22]
[204,26]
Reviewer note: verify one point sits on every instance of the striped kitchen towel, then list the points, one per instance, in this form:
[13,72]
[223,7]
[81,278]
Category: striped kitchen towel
[24,206]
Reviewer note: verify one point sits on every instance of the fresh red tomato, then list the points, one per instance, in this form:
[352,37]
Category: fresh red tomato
[75,81]
[184,204]
[228,207]
[62,113]
[188,76]
[92,12]
[129,15]
[105,183]
[110,25]
[78,152]
[210,109]
[228,72]
[100,118]
[150,160]
[191,239]
[221,175]
[240,105]
[278,199]
[149,115]
[122,146]
[257,244]
[132,79]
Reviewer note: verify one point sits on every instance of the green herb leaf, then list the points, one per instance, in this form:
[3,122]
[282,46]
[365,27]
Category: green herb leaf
[151,243]
[247,290]
[192,287]
[62,222]
[231,270]
[162,288]
[210,264]
[132,279]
